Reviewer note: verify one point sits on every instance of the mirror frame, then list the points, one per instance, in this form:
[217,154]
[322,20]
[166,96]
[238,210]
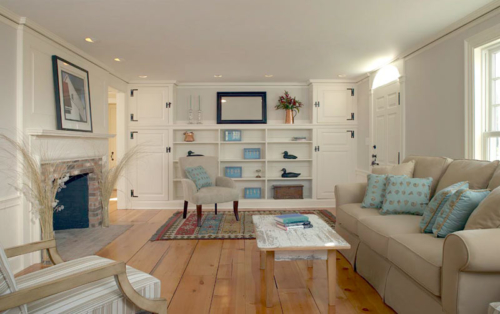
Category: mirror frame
[262,95]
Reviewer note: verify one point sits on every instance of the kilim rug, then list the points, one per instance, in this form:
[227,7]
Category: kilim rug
[223,225]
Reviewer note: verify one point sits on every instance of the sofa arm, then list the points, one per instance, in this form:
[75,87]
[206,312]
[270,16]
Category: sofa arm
[189,189]
[225,182]
[349,193]
[469,252]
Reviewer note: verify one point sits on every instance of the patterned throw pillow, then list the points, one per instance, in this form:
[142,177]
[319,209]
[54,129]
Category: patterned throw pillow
[375,191]
[199,176]
[437,203]
[457,210]
[406,195]
[7,282]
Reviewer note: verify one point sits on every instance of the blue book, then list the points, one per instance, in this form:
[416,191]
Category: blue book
[291,218]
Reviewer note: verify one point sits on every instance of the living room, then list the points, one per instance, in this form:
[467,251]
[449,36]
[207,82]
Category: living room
[146,148]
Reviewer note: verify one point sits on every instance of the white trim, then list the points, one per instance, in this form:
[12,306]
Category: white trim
[242,84]
[10,202]
[483,38]
[59,133]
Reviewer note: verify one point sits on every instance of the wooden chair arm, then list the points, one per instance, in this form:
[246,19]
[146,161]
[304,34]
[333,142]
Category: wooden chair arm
[117,269]
[49,245]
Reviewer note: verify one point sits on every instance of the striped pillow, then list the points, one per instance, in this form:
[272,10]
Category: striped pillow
[7,282]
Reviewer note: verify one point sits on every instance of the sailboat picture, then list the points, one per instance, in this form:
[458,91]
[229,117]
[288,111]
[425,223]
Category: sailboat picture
[72,96]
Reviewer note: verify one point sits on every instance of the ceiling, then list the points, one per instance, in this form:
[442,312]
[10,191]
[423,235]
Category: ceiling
[243,40]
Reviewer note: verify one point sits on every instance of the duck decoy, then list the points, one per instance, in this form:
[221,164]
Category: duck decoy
[192,154]
[286,155]
[289,174]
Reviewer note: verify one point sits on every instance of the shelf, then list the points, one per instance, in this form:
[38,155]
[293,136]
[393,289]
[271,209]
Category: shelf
[196,142]
[248,179]
[242,160]
[244,142]
[288,142]
[288,160]
[289,179]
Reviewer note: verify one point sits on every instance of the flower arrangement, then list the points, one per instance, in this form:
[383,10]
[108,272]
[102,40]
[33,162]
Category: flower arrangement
[286,102]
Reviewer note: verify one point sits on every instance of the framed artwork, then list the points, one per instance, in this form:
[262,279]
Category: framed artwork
[72,93]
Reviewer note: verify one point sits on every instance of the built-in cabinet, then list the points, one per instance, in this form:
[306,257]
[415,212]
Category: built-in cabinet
[325,158]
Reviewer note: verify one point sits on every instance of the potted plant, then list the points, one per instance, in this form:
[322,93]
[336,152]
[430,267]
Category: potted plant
[291,105]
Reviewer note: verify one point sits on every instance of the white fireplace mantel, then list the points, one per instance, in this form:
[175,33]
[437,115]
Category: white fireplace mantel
[74,134]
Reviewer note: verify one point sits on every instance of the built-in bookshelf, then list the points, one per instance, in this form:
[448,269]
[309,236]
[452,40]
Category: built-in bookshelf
[272,142]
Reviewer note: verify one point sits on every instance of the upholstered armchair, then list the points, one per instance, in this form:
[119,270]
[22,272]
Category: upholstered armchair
[223,189]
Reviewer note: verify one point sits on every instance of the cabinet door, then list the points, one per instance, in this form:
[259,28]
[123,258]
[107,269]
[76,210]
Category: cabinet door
[149,177]
[149,105]
[335,104]
[335,160]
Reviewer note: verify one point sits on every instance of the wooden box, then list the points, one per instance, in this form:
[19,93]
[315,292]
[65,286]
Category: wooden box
[283,192]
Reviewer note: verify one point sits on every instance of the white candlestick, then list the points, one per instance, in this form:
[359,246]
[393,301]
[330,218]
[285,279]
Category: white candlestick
[199,102]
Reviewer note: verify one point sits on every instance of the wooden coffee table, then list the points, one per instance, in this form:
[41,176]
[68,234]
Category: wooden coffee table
[319,242]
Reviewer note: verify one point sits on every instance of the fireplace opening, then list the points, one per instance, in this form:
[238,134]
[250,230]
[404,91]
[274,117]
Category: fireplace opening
[75,199]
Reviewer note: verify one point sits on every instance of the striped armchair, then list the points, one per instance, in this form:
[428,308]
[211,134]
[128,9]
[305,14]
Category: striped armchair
[87,285]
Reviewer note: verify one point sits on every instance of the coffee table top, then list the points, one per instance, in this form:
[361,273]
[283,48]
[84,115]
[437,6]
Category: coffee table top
[319,237]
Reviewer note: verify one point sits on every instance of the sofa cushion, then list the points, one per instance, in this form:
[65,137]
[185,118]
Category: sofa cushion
[406,195]
[495,179]
[404,169]
[477,172]
[487,214]
[375,191]
[96,297]
[420,256]
[376,231]
[349,214]
[433,167]
[215,194]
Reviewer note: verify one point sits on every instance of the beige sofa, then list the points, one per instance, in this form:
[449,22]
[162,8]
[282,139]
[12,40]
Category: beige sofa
[415,272]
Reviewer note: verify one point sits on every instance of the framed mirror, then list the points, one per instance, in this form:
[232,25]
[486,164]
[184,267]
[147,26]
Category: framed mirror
[241,107]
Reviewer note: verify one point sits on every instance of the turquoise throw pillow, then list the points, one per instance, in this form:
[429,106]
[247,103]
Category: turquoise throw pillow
[406,195]
[437,203]
[457,210]
[199,176]
[375,191]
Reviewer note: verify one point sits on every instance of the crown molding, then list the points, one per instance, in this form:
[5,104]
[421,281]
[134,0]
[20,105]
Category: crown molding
[152,83]
[243,84]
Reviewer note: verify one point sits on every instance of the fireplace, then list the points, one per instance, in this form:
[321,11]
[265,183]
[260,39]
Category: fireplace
[81,196]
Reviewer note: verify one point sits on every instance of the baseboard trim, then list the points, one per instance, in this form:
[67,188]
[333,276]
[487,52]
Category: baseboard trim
[243,204]
[9,202]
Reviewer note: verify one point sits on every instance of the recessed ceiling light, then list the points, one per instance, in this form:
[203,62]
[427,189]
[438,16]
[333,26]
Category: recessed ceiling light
[342,75]
[143,76]
[218,75]
[119,59]
[268,75]
[90,40]
[223,100]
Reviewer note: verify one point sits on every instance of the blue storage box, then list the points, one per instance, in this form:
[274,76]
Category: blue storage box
[232,172]
[232,135]
[251,153]
[253,193]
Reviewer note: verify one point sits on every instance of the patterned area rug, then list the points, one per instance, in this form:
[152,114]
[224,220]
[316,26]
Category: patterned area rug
[223,225]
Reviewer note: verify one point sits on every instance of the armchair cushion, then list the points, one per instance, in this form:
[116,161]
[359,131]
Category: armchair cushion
[7,282]
[199,176]
[97,297]
[215,194]
[225,182]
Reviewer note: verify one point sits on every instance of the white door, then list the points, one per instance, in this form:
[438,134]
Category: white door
[335,160]
[112,130]
[387,124]
[149,172]
[149,105]
[335,104]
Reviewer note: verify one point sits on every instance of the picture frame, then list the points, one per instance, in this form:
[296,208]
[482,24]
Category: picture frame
[241,108]
[72,94]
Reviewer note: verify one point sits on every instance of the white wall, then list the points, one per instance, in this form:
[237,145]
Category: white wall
[435,102]
[363,91]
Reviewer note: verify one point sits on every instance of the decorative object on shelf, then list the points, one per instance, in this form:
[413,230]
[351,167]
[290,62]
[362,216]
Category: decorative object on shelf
[286,155]
[190,110]
[299,139]
[291,105]
[232,135]
[192,154]
[199,110]
[253,193]
[233,172]
[251,153]
[258,176]
[188,136]
[241,107]
[71,86]
[289,174]
[295,191]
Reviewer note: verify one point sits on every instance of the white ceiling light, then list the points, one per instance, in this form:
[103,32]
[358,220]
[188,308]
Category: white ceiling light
[387,74]
[90,40]
[268,75]
[223,100]
[342,75]
[218,75]
[143,76]
[119,59]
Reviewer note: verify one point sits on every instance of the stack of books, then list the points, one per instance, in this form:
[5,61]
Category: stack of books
[299,139]
[292,221]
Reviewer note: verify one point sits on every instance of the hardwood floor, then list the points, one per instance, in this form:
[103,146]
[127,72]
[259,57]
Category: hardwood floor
[224,276]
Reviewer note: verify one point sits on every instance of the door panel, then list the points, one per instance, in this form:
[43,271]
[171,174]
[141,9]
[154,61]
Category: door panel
[335,104]
[150,171]
[149,105]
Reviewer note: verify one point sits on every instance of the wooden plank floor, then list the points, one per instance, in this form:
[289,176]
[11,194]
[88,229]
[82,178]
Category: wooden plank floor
[224,276]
